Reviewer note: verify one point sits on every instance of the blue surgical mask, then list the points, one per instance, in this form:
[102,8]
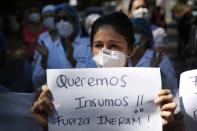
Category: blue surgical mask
[64,28]
[34,17]
[137,38]
[49,23]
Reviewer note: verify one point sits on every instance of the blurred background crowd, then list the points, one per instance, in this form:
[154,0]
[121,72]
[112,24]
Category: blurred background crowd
[21,23]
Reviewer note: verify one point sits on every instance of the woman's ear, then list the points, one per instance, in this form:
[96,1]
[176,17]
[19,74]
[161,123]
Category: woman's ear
[132,51]
[129,14]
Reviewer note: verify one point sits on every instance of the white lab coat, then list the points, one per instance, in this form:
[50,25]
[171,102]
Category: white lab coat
[57,58]
[169,79]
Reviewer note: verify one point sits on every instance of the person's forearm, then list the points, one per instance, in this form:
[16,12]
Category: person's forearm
[44,63]
[176,125]
[39,79]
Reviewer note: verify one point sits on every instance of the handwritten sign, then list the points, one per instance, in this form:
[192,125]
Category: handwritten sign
[188,92]
[105,99]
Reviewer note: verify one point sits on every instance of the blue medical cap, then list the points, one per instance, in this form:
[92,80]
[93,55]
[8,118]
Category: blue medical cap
[72,12]
[145,27]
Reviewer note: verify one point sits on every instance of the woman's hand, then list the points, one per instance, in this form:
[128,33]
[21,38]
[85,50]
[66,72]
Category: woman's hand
[167,106]
[42,49]
[43,107]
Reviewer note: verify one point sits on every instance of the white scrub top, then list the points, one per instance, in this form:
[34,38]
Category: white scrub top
[57,58]
[169,79]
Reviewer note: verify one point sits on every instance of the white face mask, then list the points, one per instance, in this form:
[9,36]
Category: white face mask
[49,23]
[141,13]
[109,58]
[64,28]
[34,17]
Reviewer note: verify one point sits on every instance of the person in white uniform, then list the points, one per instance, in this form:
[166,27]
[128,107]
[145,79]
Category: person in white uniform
[144,56]
[62,46]
[140,9]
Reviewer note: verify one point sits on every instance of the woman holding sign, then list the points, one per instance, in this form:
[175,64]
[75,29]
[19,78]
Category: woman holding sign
[111,42]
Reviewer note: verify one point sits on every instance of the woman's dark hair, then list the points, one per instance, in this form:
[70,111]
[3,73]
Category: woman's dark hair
[119,22]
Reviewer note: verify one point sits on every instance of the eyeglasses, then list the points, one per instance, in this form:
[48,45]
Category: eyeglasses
[48,15]
[59,18]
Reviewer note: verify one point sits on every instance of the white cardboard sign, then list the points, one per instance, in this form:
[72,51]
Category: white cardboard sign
[105,99]
[188,92]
